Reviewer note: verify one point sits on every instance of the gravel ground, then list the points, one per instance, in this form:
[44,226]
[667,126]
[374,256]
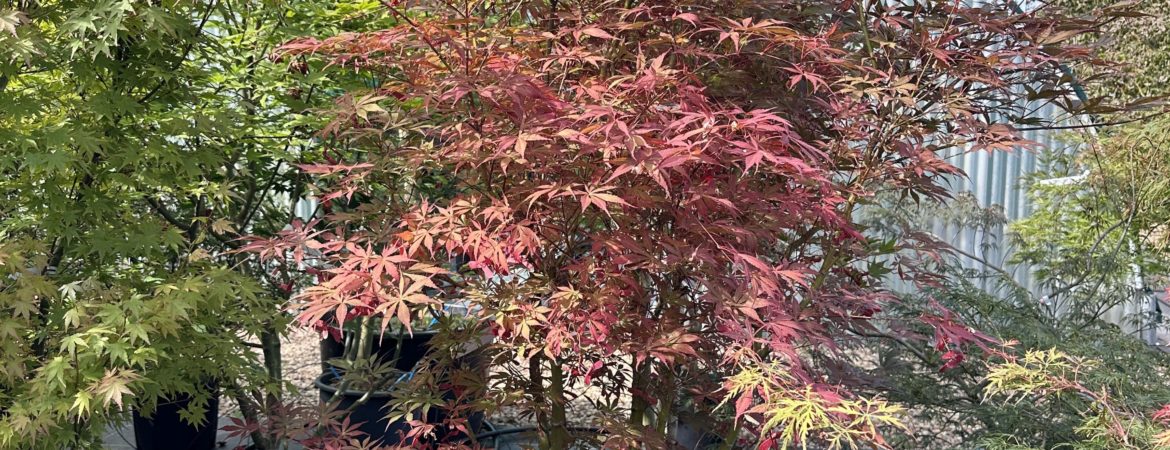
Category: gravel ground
[301,356]
[580,411]
[300,352]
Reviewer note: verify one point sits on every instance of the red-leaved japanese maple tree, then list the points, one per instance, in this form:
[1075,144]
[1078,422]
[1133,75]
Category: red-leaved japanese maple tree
[656,198]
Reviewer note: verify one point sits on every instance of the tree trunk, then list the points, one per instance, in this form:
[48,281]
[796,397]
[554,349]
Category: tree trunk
[558,431]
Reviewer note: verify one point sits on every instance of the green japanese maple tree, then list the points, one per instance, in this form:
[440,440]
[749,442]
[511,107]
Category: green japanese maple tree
[141,140]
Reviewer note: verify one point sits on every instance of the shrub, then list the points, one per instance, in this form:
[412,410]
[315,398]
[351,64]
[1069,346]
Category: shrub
[646,192]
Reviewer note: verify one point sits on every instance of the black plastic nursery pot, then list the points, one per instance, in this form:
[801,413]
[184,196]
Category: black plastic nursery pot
[695,437]
[165,430]
[585,438]
[372,413]
[414,348]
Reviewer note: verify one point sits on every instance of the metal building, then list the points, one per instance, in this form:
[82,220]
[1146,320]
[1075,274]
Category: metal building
[994,181]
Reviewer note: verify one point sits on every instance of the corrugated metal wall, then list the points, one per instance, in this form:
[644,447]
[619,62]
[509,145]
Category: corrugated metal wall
[994,180]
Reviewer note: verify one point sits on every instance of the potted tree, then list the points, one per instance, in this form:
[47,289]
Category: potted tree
[652,190]
[118,314]
[368,387]
[374,355]
[404,349]
[167,136]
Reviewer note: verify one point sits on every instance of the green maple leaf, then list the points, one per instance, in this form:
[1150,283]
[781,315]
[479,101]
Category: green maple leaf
[9,20]
[118,352]
[81,403]
[114,386]
[10,329]
[26,308]
[52,161]
[54,371]
[72,343]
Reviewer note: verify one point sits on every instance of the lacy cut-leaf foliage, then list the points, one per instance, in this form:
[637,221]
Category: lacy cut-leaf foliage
[669,184]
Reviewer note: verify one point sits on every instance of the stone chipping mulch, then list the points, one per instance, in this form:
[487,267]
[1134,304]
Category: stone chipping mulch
[301,356]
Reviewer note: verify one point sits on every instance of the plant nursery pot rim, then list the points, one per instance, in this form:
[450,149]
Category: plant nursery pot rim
[389,335]
[577,430]
[322,383]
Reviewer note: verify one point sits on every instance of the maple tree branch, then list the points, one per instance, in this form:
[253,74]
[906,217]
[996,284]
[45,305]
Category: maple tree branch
[251,209]
[535,389]
[1093,249]
[171,219]
[186,51]
[249,410]
[165,213]
[1094,125]
[422,34]
[972,392]
[1000,270]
